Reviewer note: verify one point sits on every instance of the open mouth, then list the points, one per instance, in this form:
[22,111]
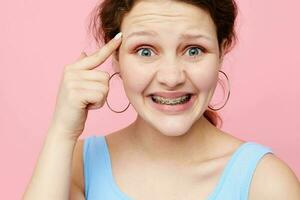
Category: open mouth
[171,101]
[173,105]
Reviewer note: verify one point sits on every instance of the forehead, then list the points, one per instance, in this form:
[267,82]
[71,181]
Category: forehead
[188,35]
[167,15]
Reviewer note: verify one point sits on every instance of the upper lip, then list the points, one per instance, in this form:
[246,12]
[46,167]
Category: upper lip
[170,94]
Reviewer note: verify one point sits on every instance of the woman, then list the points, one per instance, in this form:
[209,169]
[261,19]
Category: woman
[169,55]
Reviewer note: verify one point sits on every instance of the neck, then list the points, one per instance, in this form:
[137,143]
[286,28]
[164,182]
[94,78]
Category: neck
[187,148]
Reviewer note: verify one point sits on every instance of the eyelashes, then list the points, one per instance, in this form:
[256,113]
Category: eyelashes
[193,51]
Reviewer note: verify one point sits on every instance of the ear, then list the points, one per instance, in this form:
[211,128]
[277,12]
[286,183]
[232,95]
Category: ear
[115,61]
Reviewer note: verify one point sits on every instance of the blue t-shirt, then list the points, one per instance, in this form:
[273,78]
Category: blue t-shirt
[233,185]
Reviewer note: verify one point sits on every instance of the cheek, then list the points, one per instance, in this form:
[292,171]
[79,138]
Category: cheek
[204,78]
[135,77]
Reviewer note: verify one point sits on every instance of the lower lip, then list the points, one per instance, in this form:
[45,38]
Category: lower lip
[175,108]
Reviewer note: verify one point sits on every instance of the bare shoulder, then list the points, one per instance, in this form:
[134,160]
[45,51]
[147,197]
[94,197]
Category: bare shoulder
[274,180]
[77,166]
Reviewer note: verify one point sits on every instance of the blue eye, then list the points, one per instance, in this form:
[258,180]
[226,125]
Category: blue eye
[145,52]
[194,51]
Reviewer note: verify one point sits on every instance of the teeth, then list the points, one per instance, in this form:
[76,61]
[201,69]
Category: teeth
[179,100]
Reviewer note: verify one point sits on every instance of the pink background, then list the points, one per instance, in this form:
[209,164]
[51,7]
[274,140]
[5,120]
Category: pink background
[39,37]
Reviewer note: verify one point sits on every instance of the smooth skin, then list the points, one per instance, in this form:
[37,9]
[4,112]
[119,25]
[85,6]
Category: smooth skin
[82,88]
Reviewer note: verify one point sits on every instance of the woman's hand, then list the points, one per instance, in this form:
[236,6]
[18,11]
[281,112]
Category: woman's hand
[82,88]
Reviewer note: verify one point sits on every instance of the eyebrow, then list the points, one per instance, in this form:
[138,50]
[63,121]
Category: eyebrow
[183,36]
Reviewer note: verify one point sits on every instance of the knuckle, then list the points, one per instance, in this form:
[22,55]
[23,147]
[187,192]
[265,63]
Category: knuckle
[105,89]
[102,75]
[106,76]
[98,97]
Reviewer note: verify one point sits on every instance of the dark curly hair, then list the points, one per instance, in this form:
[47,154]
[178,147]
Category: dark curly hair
[106,21]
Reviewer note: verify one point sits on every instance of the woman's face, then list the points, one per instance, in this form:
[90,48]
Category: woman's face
[168,46]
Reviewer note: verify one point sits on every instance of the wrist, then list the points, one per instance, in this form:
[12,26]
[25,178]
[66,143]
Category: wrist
[61,134]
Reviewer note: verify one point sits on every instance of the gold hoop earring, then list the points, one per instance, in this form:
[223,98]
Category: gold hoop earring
[214,109]
[108,103]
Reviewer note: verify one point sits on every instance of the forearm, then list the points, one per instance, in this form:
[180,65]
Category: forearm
[52,175]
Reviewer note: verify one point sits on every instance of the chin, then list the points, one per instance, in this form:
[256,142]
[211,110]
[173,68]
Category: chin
[172,129]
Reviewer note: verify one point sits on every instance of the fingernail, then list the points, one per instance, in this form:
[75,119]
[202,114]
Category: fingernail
[118,36]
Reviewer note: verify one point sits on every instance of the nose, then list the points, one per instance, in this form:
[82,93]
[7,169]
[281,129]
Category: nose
[170,73]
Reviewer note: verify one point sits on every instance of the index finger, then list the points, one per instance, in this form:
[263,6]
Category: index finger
[99,57]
